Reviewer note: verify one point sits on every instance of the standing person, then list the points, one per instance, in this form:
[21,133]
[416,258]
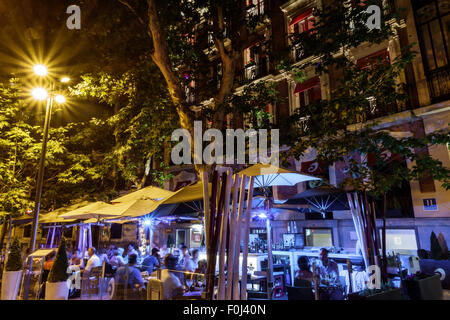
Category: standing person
[192,262]
[172,286]
[94,260]
[151,262]
[184,257]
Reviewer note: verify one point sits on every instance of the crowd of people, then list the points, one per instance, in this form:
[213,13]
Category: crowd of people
[181,270]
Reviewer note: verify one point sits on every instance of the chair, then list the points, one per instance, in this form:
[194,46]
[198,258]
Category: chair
[155,290]
[91,283]
[300,293]
[302,283]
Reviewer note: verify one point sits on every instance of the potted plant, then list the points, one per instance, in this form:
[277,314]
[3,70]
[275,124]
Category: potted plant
[437,260]
[12,273]
[386,292]
[56,287]
[422,286]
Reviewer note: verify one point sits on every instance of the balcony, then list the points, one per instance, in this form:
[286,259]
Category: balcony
[253,72]
[439,84]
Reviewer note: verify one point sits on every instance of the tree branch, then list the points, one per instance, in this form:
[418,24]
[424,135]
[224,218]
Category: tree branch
[161,58]
[126,4]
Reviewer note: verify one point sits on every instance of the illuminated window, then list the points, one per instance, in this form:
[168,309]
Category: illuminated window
[400,239]
[318,237]
[433,27]
[308,91]
[255,7]
[301,23]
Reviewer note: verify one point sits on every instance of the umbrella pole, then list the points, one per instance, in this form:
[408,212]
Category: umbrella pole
[232,239]
[269,260]
[238,232]
[245,248]
[223,235]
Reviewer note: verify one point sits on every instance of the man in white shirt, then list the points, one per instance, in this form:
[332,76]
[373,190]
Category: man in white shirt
[171,284]
[94,260]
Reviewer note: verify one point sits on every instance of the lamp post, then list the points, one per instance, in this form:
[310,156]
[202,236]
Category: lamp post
[42,94]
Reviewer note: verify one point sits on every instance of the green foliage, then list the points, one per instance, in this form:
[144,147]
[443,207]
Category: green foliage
[14,262]
[58,272]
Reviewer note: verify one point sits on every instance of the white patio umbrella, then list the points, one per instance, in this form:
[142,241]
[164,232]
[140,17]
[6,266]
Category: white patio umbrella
[92,210]
[267,175]
[131,209]
[147,193]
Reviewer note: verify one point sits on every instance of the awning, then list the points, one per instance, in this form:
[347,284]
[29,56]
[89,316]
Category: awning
[308,84]
[301,16]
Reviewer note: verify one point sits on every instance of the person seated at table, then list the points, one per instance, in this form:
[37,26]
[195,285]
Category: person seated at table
[192,262]
[199,278]
[103,255]
[131,273]
[110,251]
[117,259]
[304,275]
[94,260]
[151,262]
[327,268]
[132,249]
[75,260]
[49,261]
[172,286]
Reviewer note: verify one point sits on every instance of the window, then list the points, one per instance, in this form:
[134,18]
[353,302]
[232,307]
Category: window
[301,23]
[116,231]
[366,62]
[308,91]
[318,237]
[27,231]
[433,27]
[255,62]
[400,239]
[255,7]
[68,232]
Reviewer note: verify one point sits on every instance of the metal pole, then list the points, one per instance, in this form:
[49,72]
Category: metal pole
[40,179]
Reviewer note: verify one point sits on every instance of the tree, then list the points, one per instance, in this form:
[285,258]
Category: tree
[58,272]
[342,128]
[14,262]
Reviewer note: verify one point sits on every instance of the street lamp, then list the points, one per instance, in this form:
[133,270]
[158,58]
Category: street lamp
[41,94]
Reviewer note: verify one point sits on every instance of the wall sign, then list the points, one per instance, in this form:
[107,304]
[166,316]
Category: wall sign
[430,204]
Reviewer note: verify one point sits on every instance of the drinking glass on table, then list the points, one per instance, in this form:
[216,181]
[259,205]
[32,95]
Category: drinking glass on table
[189,280]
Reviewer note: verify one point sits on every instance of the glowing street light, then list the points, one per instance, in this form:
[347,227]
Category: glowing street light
[39,94]
[60,99]
[40,70]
